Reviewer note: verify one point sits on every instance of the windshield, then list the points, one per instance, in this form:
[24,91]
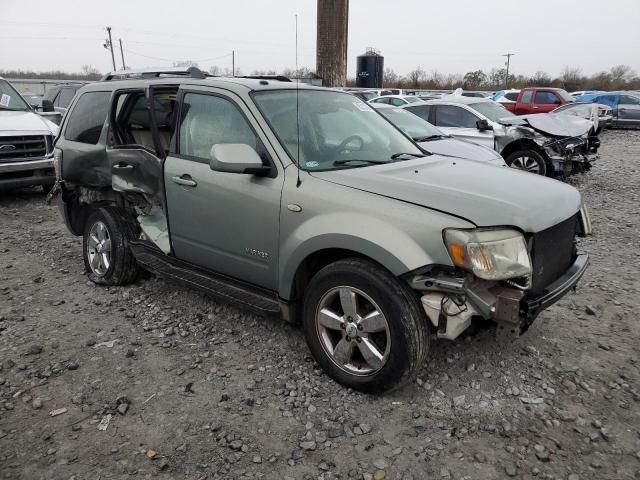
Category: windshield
[492,110]
[10,99]
[411,124]
[336,130]
[566,96]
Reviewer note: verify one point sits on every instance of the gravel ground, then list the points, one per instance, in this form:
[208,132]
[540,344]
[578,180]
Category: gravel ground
[196,389]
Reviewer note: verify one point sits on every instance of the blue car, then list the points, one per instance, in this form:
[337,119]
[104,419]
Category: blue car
[625,107]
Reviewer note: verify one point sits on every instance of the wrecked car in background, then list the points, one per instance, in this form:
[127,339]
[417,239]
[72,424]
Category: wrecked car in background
[435,141]
[600,115]
[303,202]
[545,144]
[26,143]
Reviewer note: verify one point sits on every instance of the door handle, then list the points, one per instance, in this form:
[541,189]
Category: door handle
[184,180]
[535,108]
[122,166]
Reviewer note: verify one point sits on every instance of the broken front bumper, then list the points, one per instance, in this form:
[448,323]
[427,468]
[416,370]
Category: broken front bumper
[513,309]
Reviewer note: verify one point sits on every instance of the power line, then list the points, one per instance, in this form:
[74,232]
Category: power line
[173,59]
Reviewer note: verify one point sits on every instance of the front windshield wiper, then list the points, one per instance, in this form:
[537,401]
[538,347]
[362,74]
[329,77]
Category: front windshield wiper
[429,137]
[395,156]
[346,161]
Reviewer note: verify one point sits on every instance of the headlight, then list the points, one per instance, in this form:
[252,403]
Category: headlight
[489,254]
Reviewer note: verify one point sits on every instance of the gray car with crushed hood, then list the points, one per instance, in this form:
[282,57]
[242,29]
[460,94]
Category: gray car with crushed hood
[306,203]
[541,143]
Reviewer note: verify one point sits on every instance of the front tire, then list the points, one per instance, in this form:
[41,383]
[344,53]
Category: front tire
[527,160]
[107,257]
[365,328]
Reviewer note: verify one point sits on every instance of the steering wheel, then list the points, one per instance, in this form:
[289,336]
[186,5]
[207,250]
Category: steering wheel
[343,146]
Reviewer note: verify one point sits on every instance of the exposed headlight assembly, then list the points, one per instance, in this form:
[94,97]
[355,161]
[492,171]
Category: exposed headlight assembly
[489,254]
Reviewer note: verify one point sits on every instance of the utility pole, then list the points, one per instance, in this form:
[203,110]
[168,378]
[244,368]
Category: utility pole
[506,80]
[122,54]
[233,63]
[109,45]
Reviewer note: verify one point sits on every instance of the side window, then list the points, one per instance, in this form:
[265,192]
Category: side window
[87,118]
[208,120]
[382,100]
[544,97]
[51,94]
[65,97]
[423,111]
[526,96]
[396,102]
[452,116]
[629,100]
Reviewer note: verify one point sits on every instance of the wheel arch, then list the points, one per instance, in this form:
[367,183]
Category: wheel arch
[523,144]
[317,253]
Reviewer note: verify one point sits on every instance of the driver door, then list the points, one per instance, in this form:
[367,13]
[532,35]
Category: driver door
[225,222]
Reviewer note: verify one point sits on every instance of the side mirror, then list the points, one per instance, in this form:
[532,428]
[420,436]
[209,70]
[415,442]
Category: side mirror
[483,125]
[236,158]
[47,106]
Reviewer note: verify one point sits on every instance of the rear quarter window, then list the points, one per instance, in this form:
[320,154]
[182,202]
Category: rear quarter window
[87,118]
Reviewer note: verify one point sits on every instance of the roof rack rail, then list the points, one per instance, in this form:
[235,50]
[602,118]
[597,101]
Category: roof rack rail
[192,72]
[279,78]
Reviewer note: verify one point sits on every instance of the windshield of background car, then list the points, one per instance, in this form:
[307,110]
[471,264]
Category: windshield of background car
[409,123]
[332,127]
[10,99]
[492,110]
[566,96]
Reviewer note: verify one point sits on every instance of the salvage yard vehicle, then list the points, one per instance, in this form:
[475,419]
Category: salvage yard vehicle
[434,141]
[538,100]
[543,144]
[305,202]
[625,107]
[600,115]
[26,143]
[58,99]
[395,100]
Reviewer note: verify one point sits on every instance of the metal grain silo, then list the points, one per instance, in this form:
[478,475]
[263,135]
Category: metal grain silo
[370,69]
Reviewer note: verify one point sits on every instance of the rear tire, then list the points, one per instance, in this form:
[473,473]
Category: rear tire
[365,328]
[107,257]
[528,161]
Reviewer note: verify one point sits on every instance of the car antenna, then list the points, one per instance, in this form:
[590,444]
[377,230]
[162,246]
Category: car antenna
[298,182]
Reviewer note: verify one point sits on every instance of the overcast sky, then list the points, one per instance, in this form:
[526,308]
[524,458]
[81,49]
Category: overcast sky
[452,36]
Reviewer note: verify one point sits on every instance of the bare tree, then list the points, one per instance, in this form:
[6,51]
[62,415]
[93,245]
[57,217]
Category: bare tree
[620,75]
[390,78]
[571,78]
[540,79]
[185,63]
[215,70]
[416,77]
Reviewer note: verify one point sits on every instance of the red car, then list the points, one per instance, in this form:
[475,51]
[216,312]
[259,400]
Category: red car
[538,100]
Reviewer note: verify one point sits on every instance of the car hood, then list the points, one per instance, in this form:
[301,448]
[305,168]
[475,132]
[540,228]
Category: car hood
[451,147]
[558,125]
[14,123]
[474,191]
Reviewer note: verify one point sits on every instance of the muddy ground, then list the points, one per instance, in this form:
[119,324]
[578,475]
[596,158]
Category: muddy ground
[198,389]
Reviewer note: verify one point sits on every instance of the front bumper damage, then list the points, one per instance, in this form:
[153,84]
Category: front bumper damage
[452,301]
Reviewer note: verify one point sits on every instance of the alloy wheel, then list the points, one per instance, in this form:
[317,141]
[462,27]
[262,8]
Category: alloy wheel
[526,163]
[353,331]
[99,248]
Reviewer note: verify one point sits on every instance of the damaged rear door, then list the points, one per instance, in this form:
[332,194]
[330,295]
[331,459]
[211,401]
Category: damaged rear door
[139,138]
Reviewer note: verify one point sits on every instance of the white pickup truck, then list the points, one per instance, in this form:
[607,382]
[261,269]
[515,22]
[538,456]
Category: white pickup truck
[26,142]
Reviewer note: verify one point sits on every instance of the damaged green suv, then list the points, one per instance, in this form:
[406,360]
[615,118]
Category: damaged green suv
[306,203]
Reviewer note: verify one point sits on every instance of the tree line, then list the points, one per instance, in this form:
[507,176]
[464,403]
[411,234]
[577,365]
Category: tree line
[619,77]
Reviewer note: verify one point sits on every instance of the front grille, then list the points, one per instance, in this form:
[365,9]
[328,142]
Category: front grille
[552,253]
[24,147]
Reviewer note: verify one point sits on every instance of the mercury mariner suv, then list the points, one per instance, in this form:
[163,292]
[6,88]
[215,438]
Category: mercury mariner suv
[306,203]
